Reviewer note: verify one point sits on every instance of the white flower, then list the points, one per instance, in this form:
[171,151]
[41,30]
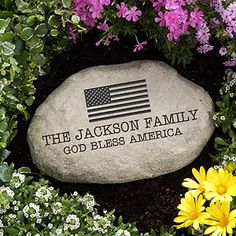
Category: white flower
[127,233]
[234,124]
[122,232]
[17,179]
[1,224]
[31,210]
[222,117]
[28,234]
[7,190]
[75,193]
[89,201]
[56,208]
[72,222]
[43,193]
[50,225]
[231,95]
[221,92]
[119,232]
[1,233]
[58,231]
[214,117]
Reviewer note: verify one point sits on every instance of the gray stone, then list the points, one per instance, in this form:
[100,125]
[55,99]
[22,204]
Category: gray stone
[81,133]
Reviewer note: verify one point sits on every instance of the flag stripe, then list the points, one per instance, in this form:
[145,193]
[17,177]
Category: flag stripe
[130,98]
[117,106]
[119,110]
[127,83]
[120,115]
[127,94]
[127,88]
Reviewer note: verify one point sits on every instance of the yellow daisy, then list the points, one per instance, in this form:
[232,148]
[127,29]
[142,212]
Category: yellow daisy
[196,187]
[220,185]
[191,211]
[221,221]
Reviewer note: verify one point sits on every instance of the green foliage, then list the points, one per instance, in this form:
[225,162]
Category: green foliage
[33,208]
[31,33]
[225,117]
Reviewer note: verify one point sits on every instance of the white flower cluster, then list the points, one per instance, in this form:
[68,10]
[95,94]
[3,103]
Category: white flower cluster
[88,201]
[227,159]
[72,222]
[32,211]
[56,208]
[122,232]
[100,224]
[6,195]
[229,83]
[43,193]
[17,179]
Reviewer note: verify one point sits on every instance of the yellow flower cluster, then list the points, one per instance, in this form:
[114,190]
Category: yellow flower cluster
[216,187]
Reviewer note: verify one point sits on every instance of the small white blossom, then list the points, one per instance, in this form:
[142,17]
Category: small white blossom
[31,210]
[231,95]
[56,208]
[50,225]
[214,117]
[222,117]
[43,193]
[234,124]
[72,222]
[28,234]
[89,201]
[17,179]
[1,224]
[7,190]
[75,193]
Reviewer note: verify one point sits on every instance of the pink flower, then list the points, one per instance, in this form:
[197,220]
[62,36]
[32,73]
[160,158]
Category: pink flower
[223,51]
[96,10]
[231,62]
[161,19]
[196,17]
[203,35]
[103,26]
[133,14]
[203,49]
[139,46]
[122,9]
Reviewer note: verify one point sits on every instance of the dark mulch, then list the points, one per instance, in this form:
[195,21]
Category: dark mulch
[151,203]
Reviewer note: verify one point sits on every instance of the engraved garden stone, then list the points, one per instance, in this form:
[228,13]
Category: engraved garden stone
[120,123]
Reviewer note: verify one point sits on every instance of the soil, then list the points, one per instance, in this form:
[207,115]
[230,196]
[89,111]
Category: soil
[151,203]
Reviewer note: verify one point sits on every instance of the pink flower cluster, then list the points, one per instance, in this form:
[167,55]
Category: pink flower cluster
[90,11]
[123,12]
[173,15]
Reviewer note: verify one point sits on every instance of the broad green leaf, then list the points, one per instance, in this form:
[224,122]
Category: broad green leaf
[3,126]
[5,173]
[41,30]
[18,28]
[54,33]
[8,36]
[4,153]
[54,21]
[26,33]
[24,170]
[3,24]
[36,50]
[22,6]
[220,141]
[34,41]
[8,48]
[6,14]
[31,19]
[66,3]
[19,46]
[30,100]
[39,60]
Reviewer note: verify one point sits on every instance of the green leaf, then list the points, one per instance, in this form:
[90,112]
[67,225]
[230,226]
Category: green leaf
[22,109]
[8,4]
[3,25]
[8,48]
[66,3]
[26,33]
[22,6]
[54,21]
[54,33]
[3,126]
[4,153]
[24,170]
[41,30]
[220,141]
[8,36]
[6,14]
[36,50]
[30,100]
[2,113]
[5,173]
[120,220]
[39,60]
[19,46]
[34,41]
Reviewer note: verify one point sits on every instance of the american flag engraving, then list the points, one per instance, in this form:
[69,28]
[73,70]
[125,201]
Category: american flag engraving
[117,100]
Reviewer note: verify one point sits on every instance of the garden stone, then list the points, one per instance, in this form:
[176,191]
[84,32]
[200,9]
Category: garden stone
[120,123]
